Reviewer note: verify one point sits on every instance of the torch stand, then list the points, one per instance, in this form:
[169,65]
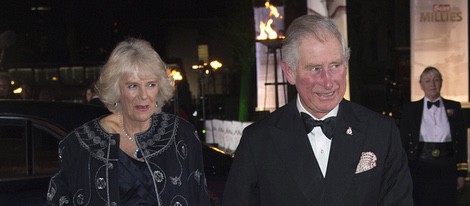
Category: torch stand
[273,45]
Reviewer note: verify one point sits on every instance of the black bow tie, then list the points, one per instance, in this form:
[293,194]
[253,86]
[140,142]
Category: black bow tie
[327,126]
[436,103]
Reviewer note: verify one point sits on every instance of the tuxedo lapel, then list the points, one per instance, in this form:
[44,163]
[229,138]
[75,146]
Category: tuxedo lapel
[418,111]
[296,154]
[450,112]
[344,156]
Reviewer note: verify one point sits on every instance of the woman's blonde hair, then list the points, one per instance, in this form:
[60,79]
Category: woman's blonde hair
[132,55]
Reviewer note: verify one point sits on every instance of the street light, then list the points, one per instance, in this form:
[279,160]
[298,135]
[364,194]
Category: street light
[176,76]
[215,64]
[205,69]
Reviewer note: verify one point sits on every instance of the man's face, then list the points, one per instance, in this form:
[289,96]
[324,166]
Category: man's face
[320,77]
[431,85]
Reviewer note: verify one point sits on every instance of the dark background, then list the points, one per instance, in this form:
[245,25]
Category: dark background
[84,32]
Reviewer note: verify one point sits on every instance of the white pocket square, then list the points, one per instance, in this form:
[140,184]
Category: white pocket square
[368,161]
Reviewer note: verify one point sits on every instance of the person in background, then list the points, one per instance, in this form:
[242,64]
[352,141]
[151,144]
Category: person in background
[434,136]
[319,149]
[5,86]
[136,155]
[88,94]
[91,95]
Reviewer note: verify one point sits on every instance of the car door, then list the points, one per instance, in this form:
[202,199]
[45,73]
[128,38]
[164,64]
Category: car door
[28,152]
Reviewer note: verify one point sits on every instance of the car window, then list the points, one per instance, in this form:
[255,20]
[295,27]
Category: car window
[45,146]
[12,148]
[27,148]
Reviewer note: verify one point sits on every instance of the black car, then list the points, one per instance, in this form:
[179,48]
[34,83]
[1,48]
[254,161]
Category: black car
[30,132]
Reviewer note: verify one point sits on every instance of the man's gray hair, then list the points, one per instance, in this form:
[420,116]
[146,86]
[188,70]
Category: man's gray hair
[310,25]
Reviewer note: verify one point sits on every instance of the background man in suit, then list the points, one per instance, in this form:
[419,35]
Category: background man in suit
[5,86]
[354,158]
[435,139]
[91,95]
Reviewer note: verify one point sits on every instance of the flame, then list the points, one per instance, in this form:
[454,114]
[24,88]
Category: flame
[273,10]
[266,30]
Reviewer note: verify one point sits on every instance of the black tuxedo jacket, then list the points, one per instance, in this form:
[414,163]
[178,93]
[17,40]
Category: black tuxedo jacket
[274,163]
[410,126]
[96,101]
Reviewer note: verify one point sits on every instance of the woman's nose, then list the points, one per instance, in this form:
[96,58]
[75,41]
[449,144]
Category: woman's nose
[143,93]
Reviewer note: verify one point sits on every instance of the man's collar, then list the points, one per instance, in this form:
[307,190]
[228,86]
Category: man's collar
[301,108]
[428,100]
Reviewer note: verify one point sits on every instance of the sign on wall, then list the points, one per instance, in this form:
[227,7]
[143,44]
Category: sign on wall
[336,10]
[439,38]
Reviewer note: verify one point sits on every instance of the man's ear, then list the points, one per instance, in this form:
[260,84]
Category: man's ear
[288,72]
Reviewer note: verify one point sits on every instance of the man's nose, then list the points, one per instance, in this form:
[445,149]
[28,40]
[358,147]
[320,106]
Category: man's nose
[326,78]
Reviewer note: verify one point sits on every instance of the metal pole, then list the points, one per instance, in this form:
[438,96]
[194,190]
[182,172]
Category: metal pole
[203,95]
[276,83]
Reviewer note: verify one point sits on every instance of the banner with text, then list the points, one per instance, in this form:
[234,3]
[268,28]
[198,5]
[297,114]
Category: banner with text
[439,38]
[336,10]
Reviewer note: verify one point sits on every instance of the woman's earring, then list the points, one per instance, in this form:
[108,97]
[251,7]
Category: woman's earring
[156,105]
[116,105]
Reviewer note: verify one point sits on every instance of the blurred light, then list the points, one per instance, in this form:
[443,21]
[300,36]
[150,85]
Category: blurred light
[176,75]
[217,149]
[203,131]
[18,90]
[12,82]
[216,64]
[197,66]
[54,78]
[40,8]
[207,67]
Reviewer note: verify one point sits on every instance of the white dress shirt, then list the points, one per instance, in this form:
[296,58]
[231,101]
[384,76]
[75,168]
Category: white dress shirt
[320,143]
[434,123]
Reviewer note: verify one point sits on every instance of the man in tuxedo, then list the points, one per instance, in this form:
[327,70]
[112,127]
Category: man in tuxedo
[91,95]
[353,157]
[435,139]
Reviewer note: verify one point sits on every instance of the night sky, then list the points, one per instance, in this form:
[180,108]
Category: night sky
[85,31]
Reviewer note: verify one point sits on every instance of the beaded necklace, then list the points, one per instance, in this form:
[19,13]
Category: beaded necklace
[137,153]
[121,120]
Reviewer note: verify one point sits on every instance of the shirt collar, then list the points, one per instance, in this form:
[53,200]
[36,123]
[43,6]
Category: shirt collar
[301,108]
[428,100]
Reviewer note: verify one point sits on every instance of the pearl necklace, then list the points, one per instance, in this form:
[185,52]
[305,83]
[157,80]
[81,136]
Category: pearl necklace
[137,153]
[121,120]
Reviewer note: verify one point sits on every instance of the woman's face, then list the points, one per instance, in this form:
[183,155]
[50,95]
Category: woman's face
[138,96]
[431,84]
